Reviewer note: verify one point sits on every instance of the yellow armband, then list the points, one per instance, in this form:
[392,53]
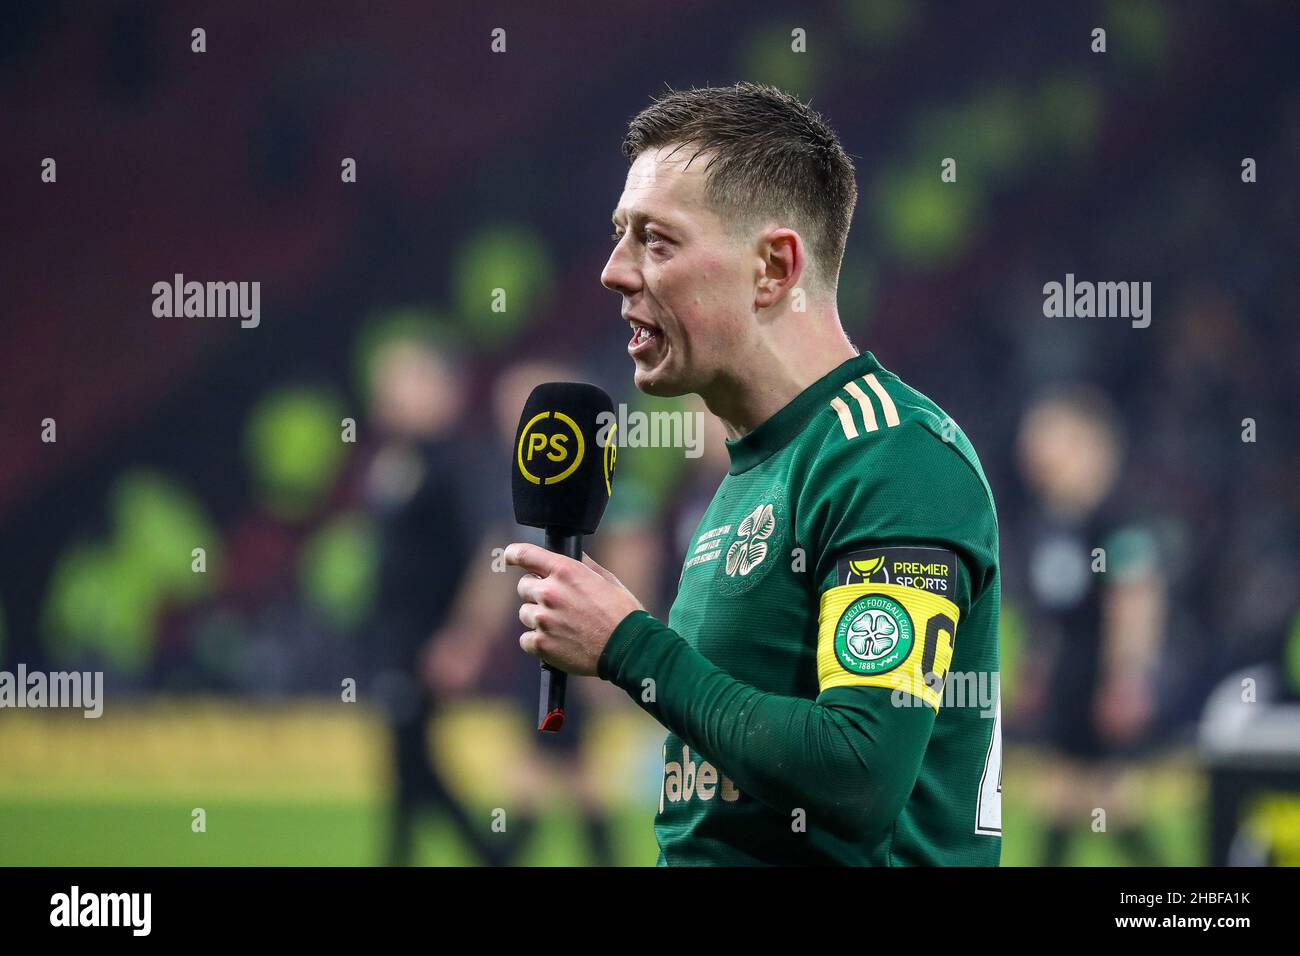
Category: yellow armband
[885,635]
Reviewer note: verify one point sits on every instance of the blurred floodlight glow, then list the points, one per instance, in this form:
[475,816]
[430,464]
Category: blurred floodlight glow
[508,258]
[879,23]
[158,524]
[924,221]
[339,567]
[767,57]
[295,449]
[101,607]
[1067,114]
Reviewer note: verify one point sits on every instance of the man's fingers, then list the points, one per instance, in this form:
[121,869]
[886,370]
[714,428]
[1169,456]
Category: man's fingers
[528,641]
[531,558]
[530,616]
[529,588]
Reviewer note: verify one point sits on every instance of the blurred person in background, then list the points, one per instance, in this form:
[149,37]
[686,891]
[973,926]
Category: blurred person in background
[1096,611]
[483,617]
[559,768]
[420,493]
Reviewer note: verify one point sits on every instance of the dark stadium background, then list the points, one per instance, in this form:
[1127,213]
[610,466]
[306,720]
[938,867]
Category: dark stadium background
[479,171]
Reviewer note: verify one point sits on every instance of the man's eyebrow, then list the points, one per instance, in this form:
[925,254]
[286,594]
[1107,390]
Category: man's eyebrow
[642,215]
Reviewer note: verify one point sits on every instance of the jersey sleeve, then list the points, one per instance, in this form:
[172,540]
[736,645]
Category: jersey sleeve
[848,759]
[900,536]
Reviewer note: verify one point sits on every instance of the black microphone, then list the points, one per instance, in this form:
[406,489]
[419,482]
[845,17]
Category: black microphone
[561,479]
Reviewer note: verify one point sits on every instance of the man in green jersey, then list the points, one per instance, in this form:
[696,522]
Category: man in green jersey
[828,671]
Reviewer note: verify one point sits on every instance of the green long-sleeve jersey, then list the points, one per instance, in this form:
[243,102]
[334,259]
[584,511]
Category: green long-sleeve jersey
[828,673]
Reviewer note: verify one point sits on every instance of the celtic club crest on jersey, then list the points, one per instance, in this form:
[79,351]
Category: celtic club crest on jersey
[750,547]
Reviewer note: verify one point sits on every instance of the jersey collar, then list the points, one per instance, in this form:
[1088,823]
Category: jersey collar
[777,432]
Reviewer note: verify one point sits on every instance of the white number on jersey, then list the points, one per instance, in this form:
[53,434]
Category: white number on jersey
[988,807]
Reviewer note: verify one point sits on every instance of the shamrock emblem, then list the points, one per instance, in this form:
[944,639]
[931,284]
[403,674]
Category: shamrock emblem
[750,548]
[872,635]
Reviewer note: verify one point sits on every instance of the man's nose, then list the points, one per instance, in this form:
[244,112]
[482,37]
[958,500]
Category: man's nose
[620,273]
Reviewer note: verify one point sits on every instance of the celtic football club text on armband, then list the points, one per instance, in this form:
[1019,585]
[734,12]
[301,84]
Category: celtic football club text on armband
[687,780]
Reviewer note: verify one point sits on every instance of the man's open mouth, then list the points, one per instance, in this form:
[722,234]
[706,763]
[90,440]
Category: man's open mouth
[644,338]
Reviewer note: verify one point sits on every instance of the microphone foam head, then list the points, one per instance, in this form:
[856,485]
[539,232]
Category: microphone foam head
[562,470]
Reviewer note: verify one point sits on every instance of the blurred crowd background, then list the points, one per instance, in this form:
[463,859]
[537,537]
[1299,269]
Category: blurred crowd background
[367,554]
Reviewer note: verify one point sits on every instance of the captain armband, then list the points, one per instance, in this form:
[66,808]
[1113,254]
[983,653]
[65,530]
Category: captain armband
[889,621]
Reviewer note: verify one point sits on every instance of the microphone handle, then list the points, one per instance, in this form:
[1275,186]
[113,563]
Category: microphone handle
[550,702]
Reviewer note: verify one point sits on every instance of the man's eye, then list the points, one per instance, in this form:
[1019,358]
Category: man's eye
[645,235]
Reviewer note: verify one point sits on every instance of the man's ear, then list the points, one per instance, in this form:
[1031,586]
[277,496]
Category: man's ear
[783,258]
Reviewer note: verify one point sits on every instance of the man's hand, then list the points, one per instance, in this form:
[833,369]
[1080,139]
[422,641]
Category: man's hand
[570,608]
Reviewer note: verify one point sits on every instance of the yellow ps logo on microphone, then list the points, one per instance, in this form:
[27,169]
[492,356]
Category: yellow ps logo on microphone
[550,447]
[611,456]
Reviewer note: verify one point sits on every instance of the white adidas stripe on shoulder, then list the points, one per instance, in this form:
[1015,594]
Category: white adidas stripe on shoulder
[869,420]
[868,413]
[887,403]
[846,417]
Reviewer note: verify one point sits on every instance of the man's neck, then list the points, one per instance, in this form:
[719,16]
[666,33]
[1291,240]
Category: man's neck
[781,369]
